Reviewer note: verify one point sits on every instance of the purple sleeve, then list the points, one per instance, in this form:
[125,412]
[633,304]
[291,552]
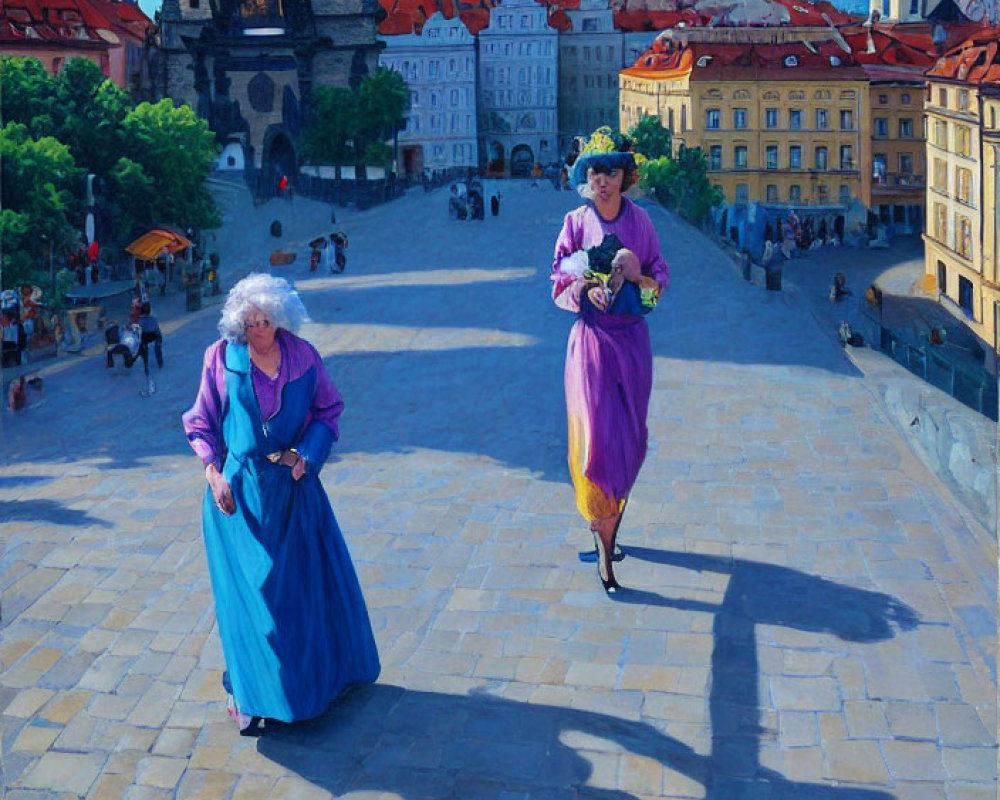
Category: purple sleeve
[566,289]
[203,421]
[327,404]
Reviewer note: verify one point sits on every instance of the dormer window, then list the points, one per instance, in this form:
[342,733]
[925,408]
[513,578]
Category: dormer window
[791,61]
[704,61]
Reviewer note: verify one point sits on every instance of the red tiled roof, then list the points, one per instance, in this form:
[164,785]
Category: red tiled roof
[49,25]
[975,60]
[714,61]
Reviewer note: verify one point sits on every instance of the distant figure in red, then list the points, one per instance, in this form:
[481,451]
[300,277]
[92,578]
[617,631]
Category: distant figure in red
[283,186]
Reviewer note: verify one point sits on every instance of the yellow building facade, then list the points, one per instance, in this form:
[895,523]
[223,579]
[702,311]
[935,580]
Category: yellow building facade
[898,170]
[961,225]
[792,127]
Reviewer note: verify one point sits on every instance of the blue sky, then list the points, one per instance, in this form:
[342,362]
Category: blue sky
[150,7]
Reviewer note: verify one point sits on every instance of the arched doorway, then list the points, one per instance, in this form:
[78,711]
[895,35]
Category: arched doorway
[522,160]
[279,161]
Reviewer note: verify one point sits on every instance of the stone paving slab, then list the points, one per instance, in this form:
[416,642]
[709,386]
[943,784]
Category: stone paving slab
[808,611]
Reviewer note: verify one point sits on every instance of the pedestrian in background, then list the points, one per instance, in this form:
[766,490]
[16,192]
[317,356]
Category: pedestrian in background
[609,270]
[292,619]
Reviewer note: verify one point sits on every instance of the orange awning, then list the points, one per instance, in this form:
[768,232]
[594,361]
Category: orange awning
[148,246]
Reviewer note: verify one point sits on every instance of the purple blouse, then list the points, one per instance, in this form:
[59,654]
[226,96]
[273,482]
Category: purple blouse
[203,422]
[584,228]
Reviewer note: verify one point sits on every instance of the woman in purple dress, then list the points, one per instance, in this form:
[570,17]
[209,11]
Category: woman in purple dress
[607,269]
[292,619]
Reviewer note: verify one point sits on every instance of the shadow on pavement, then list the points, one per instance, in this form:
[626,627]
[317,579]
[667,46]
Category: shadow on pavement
[425,745]
[765,594]
[46,511]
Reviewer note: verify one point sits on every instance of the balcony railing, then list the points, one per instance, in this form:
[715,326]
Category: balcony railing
[890,179]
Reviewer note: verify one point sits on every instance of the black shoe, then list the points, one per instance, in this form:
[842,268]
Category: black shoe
[610,584]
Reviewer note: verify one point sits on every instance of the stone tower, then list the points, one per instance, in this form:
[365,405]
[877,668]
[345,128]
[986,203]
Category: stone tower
[249,67]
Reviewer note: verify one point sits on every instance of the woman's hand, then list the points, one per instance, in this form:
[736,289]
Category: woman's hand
[222,492]
[628,263]
[299,469]
[598,297]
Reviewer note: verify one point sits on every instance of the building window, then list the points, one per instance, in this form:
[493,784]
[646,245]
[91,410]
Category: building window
[943,98]
[795,119]
[771,117]
[742,193]
[740,157]
[883,99]
[846,120]
[963,185]
[966,293]
[795,157]
[881,126]
[772,156]
[794,193]
[962,140]
[906,164]
[963,99]
[715,156]
[941,223]
[906,128]
[739,117]
[712,118]
[771,195]
[822,119]
[846,156]
[845,194]
[905,98]
[879,169]
[821,159]
[941,133]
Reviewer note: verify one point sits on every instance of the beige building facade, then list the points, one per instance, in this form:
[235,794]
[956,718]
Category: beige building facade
[779,123]
[962,112]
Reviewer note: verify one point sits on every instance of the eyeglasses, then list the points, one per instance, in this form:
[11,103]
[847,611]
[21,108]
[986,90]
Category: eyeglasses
[257,323]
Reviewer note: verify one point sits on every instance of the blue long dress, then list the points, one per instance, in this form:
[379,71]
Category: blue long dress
[293,622]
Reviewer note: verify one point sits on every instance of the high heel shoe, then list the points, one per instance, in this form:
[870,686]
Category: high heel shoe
[610,584]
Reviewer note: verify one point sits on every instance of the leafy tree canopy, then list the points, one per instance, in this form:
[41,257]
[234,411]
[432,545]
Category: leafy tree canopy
[682,184]
[35,175]
[343,119]
[150,161]
[651,138]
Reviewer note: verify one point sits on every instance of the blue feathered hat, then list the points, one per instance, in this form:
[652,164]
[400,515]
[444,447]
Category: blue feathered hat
[605,149]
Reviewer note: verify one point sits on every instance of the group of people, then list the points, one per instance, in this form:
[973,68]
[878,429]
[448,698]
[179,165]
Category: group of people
[292,618]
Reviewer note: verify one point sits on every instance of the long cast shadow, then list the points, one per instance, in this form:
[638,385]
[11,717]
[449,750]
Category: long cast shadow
[426,745]
[764,594]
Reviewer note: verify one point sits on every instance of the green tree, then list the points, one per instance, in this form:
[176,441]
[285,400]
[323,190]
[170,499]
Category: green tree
[29,95]
[176,150]
[91,110]
[35,175]
[651,138]
[682,184]
[330,136]
[383,100]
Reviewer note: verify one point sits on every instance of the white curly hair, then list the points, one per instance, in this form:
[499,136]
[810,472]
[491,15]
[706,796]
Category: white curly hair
[273,296]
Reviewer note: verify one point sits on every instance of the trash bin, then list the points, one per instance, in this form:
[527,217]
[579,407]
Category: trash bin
[772,279]
[193,298]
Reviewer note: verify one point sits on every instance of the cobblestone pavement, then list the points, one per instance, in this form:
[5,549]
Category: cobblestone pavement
[809,614]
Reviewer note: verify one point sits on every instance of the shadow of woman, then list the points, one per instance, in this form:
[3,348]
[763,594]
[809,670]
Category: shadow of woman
[766,594]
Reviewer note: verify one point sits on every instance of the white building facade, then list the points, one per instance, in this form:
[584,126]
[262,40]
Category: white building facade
[518,89]
[439,67]
[590,55]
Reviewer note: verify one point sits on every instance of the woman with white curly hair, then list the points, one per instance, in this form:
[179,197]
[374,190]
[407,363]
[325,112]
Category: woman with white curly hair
[292,619]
